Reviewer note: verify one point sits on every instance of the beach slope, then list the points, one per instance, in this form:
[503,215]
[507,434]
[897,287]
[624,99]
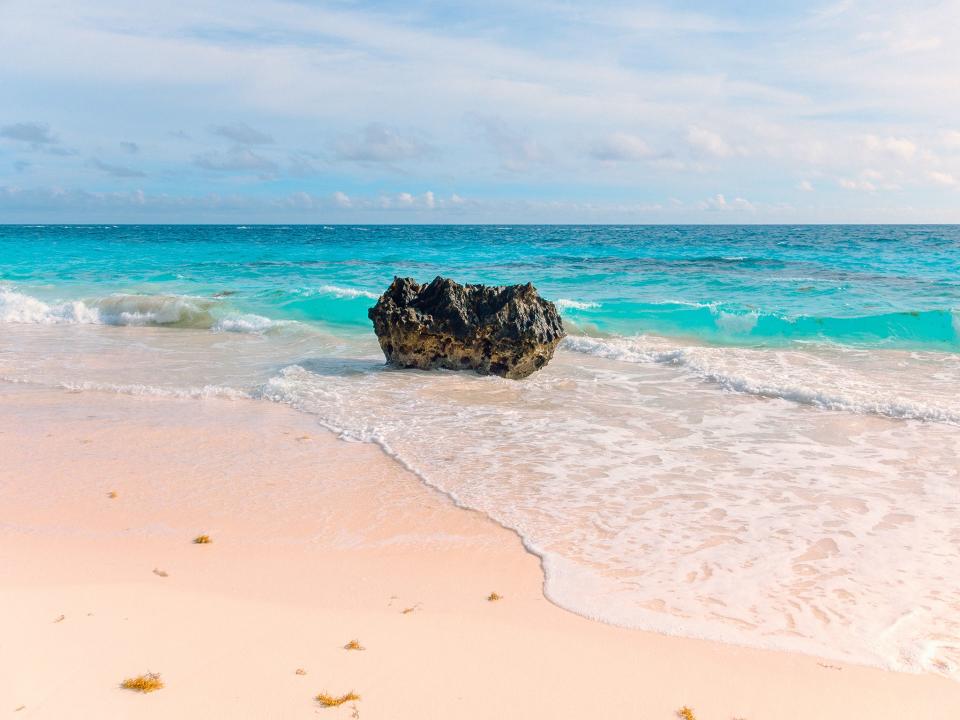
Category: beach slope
[317,542]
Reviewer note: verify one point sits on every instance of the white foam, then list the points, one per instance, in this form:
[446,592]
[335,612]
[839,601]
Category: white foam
[666,505]
[141,389]
[794,376]
[129,310]
[16,307]
[567,304]
[346,292]
[256,324]
[666,485]
[137,389]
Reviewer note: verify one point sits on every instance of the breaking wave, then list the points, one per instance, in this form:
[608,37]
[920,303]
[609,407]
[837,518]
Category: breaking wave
[347,292]
[179,311]
[566,304]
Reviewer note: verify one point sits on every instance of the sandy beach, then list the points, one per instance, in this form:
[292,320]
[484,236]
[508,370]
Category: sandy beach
[317,542]
[480,360]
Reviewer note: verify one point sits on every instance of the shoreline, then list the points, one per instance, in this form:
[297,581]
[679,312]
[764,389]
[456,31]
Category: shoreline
[318,541]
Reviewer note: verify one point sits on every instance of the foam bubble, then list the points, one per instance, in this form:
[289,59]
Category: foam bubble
[17,307]
[130,310]
[646,494]
[256,324]
[346,292]
[567,304]
[142,389]
[797,376]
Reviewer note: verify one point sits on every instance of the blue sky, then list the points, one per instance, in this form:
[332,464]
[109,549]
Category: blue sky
[535,111]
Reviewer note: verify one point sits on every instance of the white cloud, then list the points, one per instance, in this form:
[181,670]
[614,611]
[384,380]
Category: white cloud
[657,20]
[242,133]
[951,139]
[621,146]
[517,153]
[849,184]
[237,159]
[795,95]
[708,142]
[341,199]
[906,40]
[378,143]
[805,186]
[901,148]
[720,203]
[942,178]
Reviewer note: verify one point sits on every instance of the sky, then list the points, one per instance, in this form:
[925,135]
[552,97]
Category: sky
[486,111]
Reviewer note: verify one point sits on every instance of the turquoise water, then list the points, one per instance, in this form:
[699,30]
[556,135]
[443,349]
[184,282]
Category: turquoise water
[888,286]
[751,434]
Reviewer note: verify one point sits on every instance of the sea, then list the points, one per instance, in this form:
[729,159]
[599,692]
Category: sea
[751,434]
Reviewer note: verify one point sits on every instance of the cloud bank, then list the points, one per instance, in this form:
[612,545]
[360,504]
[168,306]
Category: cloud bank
[652,112]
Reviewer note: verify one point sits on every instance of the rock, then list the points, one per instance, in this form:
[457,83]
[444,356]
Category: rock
[506,331]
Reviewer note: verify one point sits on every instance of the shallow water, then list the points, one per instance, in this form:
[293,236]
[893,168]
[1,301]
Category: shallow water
[751,434]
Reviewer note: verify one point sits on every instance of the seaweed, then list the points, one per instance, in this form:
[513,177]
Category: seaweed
[328,700]
[143,683]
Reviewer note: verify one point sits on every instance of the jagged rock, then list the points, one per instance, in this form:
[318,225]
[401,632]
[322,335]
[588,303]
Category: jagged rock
[508,331]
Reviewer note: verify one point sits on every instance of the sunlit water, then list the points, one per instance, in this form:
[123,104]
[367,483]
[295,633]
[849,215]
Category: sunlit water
[751,434]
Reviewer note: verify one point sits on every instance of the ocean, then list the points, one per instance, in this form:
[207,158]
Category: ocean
[751,433]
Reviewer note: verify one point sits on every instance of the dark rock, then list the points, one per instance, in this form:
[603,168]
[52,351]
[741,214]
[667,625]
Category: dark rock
[506,331]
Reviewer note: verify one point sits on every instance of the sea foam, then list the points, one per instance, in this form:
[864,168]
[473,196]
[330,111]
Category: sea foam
[567,304]
[347,292]
[646,491]
[130,310]
[796,376]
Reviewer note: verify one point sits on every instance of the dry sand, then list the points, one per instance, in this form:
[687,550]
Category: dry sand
[316,542]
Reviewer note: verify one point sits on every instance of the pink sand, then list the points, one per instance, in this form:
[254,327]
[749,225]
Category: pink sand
[316,542]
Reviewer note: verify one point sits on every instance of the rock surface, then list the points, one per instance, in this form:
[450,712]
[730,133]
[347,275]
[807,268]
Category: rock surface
[507,331]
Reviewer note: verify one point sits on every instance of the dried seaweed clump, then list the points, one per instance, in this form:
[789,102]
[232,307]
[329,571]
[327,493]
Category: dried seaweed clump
[328,700]
[354,645]
[202,540]
[686,713]
[494,596]
[143,683]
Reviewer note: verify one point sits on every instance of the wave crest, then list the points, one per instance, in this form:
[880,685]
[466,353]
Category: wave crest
[347,292]
[180,311]
[567,304]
